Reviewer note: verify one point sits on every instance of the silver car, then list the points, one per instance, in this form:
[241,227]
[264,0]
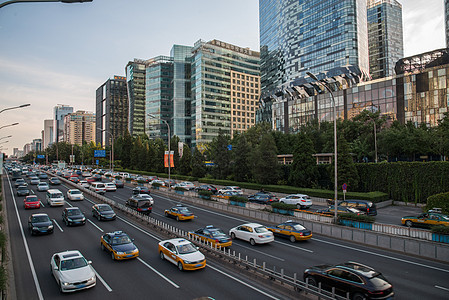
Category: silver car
[42,187]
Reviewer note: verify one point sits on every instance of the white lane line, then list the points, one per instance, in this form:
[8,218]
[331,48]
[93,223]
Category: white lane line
[102,280]
[68,203]
[27,250]
[138,228]
[242,282]
[295,247]
[158,273]
[251,249]
[32,192]
[95,225]
[383,255]
[442,288]
[118,197]
[54,221]
[42,204]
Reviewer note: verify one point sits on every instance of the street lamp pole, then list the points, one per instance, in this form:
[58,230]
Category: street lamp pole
[169,162]
[35,1]
[15,107]
[111,161]
[5,137]
[335,144]
[13,124]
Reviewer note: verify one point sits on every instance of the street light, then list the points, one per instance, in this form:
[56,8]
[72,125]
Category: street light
[13,124]
[5,137]
[111,161]
[335,143]
[169,163]
[15,107]
[23,1]
[4,142]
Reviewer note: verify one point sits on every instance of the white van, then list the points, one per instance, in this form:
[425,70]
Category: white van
[55,197]
[98,187]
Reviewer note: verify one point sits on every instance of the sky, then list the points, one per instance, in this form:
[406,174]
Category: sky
[58,53]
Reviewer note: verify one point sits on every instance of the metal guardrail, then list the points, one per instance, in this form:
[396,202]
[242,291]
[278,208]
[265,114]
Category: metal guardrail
[402,231]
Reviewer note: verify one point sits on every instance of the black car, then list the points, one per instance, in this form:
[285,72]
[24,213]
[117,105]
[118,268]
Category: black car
[263,198]
[140,204]
[207,187]
[360,281]
[40,224]
[54,181]
[341,210]
[140,190]
[103,212]
[73,216]
[119,183]
[97,177]
[23,190]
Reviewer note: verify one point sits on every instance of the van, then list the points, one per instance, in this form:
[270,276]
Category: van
[140,204]
[366,206]
[55,197]
[97,187]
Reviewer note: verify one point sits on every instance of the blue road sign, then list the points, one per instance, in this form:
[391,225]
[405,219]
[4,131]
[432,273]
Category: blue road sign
[99,153]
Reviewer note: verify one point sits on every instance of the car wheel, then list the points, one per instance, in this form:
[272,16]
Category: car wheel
[60,287]
[408,223]
[180,267]
[358,296]
[292,239]
[177,218]
[252,242]
[66,222]
[299,206]
[233,235]
[161,255]
[311,281]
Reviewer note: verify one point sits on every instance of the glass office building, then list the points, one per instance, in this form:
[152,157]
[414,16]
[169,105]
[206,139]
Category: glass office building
[446,21]
[135,80]
[59,112]
[385,37]
[308,36]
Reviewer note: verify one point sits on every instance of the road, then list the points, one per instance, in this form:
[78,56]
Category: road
[412,278]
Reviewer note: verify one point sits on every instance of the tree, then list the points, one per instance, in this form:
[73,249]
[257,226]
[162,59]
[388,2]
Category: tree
[220,155]
[241,153]
[304,171]
[198,167]
[185,162]
[266,167]
[346,170]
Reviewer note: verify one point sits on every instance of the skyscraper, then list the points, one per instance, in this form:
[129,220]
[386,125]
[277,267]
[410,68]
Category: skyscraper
[59,112]
[305,36]
[135,80]
[446,19]
[385,37]
[111,110]
[48,138]
[79,127]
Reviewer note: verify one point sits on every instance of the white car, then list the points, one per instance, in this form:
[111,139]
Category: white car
[72,271]
[300,200]
[42,187]
[75,194]
[146,196]
[186,184]
[236,189]
[86,174]
[253,233]
[110,187]
[182,253]
[84,184]
[158,182]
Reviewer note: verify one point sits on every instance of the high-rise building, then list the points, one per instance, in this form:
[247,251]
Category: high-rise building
[36,145]
[47,138]
[111,110]
[79,127]
[222,75]
[305,36]
[385,37]
[135,80]
[446,19]
[59,111]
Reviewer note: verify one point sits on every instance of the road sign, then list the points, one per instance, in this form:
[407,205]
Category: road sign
[99,153]
[40,156]
[344,187]
[97,161]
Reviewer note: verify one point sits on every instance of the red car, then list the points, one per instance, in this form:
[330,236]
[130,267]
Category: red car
[90,179]
[32,202]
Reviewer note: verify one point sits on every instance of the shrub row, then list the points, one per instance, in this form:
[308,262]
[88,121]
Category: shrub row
[439,200]
[238,199]
[440,229]
[358,218]
[283,206]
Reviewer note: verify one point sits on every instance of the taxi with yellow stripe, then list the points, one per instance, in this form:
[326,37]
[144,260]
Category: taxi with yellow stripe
[427,219]
[182,253]
[180,213]
[294,231]
[119,245]
[211,234]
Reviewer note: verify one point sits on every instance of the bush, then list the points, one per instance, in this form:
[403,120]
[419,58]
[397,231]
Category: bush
[283,206]
[180,188]
[141,181]
[2,239]
[156,184]
[440,201]
[118,177]
[128,179]
[3,278]
[358,218]
[238,199]
[205,193]
[440,229]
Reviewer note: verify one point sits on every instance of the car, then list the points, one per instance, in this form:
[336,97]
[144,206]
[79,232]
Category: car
[34,180]
[146,196]
[40,224]
[98,187]
[231,188]
[54,197]
[141,190]
[72,271]
[119,244]
[75,194]
[207,187]
[263,198]
[19,182]
[294,231]
[253,233]
[85,174]
[66,175]
[300,200]
[360,281]
[118,183]
[368,207]
[54,181]
[110,187]
[97,177]
[43,176]
[340,210]
[74,179]
[42,186]
[170,182]
[31,202]
[73,216]
[212,235]
[179,212]
[140,204]
[84,183]
[90,179]
[186,185]
[157,182]
[103,212]
[182,253]
[228,194]
[22,190]
[426,220]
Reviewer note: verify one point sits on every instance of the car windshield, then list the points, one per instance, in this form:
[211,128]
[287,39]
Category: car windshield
[120,240]
[104,208]
[186,249]
[56,195]
[74,263]
[217,233]
[75,192]
[298,227]
[39,219]
[184,210]
[260,229]
[22,187]
[73,212]
[31,199]
[144,203]
[378,280]
[43,184]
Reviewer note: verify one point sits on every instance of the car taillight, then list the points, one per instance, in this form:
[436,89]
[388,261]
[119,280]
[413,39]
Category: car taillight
[301,234]
[303,200]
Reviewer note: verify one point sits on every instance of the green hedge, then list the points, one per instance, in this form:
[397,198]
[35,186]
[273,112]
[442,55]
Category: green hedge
[440,229]
[358,218]
[205,193]
[439,201]
[238,199]
[180,188]
[283,206]
[156,184]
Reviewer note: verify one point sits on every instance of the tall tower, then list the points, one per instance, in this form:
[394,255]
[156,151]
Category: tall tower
[59,112]
[135,81]
[385,36]
[446,19]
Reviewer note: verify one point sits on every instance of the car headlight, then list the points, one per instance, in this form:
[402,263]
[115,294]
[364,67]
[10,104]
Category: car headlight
[50,227]
[69,219]
[92,278]
[188,262]
[119,253]
[83,219]
[35,228]
[65,283]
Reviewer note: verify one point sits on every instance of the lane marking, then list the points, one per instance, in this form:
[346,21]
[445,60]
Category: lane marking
[158,273]
[42,203]
[295,247]
[60,228]
[141,230]
[95,225]
[102,280]
[278,258]
[442,288]
[242,282]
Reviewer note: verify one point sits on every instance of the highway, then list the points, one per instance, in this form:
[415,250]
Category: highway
[412,278]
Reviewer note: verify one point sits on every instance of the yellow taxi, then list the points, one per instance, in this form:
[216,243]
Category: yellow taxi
[292,230]
[180,213]
[211,234]
[426,220]
[182,253]
[119,244]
